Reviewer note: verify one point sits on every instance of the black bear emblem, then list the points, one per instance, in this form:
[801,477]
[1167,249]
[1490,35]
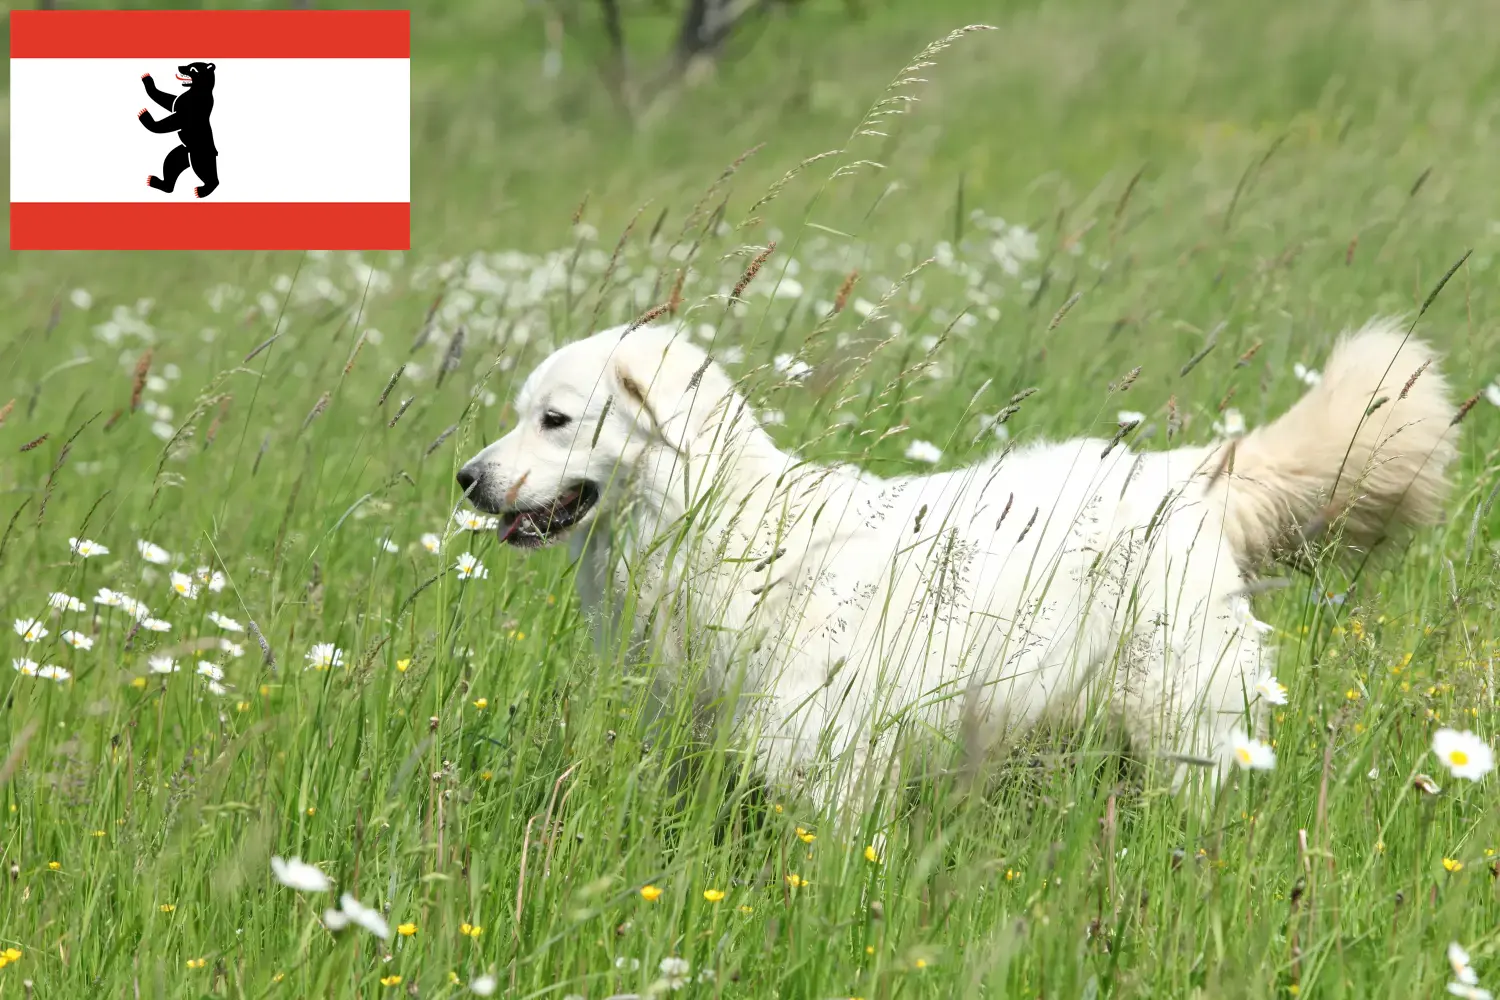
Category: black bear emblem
[189,119]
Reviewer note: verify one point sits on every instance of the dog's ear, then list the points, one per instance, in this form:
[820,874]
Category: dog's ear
[669,392]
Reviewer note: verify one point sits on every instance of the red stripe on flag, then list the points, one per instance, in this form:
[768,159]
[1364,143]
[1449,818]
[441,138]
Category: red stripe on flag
[210,34]
[233,225]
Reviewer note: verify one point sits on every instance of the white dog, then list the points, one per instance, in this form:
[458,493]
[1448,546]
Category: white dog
[837,608]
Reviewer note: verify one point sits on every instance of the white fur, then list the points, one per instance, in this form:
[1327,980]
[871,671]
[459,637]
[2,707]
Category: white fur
[975,600]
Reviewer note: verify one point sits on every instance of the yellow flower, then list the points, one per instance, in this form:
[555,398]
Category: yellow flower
[805,836]
[871,856]
[402,665]
[778,808]
[796,881]
[392,980]
[485,775]
[1294,989]
[453,978]
[139,683]
[1352,694]
[869,949]
[242,706]
[470,930]
[650,893]
[747,910]
[311,810]
[196,963]
[713,895]
[406,930]
[167,907]
[55,865]
[482,703]
[1011,874]
[921,963]
[100,833]
[278,977]
[1453,864]
[265,689]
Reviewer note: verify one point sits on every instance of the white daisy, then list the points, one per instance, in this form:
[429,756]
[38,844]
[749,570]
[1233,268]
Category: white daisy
[294,873]
[24,666]
[1245,619]
[162,665]
[155,625]
[1470,992]
[214,687]
[31,629]
[153,553]
[432,543]
[792,367]
[53,674]
[1232,424]
[1466,755]
[1272,690]
[352,911]
[1492,393]
[78,640]
[225,622]
[472,520]
[386,545]
[65,602]
[212,671]
[1306,375]
[184,586]
[325,655]
[212,579]
[484,986]
[470,568]
[233,649]
[108,598]
[87,547]
[1250,753]
[1130,417]
[132,607]
[924,451]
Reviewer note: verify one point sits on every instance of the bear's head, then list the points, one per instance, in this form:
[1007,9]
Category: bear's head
[197,74]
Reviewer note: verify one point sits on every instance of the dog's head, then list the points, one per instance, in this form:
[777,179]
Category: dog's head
[586,417]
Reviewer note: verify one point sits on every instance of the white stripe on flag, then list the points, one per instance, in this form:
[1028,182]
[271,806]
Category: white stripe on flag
[287,130]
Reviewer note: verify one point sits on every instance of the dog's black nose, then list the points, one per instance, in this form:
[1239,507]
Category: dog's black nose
[466,480]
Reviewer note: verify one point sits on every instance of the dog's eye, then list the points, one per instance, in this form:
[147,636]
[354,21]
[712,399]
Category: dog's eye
[552,420]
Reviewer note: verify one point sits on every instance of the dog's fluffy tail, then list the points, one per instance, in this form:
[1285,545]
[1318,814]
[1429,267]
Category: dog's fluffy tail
[1362,454]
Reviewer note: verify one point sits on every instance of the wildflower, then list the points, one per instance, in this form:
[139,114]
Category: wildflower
[352,911]
[233,649]
[484,985]
[806,836]
[871,855]
[10,956]
[53,674]
[1306,375]
[481,703]
[403,665]
[1492,393]
[196,963]
[31,629]
[650,893]
[793,368]
[386,545]
[1245,619]
[1453,864]
[81,298]
[924,451]
[432,543]
[184,585]
[152,552]
[674,972]
[1458,958]
[54,865]
[156,625]
[1426,785]
[470,568]
[225,622]
[1272,690]
[1466,755]
[324,655]
[391,980]
[212,579]
[66,602]
[713,895]
[87,548]
[796,881]
[167,907]
[470,930]
[471,520]
[78,640]
[212,671]
[406,929]
[294,873]
[162,665]
[747,910]
[1251,753]
[920,963]
[1232,425]
[1130,418]
[139,683]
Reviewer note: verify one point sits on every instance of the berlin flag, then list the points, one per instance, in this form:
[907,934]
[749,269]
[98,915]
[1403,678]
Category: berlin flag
[210,130]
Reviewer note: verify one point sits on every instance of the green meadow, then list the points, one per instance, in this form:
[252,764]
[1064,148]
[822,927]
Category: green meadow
[274,637]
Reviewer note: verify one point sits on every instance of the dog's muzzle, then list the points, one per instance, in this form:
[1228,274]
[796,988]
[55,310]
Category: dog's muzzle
[533,527]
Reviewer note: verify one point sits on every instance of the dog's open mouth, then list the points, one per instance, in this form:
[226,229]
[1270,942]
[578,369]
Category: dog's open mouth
[533,527]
